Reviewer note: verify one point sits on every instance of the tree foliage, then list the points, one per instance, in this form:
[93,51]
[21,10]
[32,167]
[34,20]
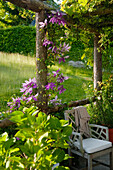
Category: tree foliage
[92,17]
[11,15]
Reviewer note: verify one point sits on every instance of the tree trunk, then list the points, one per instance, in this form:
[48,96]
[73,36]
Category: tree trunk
[97,62]
[41,56]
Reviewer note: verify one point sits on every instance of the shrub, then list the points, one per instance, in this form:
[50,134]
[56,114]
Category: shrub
[101,111]
[38,144]
[19,39]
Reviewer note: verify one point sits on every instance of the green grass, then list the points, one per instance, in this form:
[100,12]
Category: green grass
[76,84]
[15,69]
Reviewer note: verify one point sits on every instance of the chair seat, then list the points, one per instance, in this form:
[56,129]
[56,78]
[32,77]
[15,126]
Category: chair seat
[91,145]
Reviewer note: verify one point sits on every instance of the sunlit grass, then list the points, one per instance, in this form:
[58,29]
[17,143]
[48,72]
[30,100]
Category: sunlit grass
[77,82]
[15,69]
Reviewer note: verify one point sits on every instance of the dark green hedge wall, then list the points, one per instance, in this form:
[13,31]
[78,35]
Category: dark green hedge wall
[19,39]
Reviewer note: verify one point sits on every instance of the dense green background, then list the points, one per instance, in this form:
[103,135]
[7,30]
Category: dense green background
[19,39]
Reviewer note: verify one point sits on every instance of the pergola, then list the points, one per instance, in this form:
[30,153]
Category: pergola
[99,18]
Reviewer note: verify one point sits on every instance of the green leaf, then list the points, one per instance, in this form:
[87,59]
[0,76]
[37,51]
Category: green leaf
[17,113]
[67,130]
[64,122]
[4,137]
[20,135]
[16,159]
[21,165]
[16,119]
[9,143]
[45,135]
[14,150]
[7,164]
[1,167]
[58,155]
[83,2]
[25,150]
[83,56]
[42,117]
[36,148]
[54,123]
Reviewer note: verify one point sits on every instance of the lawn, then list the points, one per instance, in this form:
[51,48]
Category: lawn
[15,69]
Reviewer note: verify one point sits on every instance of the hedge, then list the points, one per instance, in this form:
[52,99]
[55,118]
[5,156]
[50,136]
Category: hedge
[19,39]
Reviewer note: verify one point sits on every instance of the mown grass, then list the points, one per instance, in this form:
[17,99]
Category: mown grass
[15,69]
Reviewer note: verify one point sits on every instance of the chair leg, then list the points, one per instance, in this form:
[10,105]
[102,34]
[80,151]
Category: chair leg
[70,159]
[111,160]
[89,162]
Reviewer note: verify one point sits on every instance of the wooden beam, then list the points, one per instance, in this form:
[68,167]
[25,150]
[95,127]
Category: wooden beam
[100,11]
[38,5]
[33,5]
[6,122]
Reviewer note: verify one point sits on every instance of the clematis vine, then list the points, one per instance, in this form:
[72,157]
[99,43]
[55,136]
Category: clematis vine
[56,52]
[58,88]
[30,95]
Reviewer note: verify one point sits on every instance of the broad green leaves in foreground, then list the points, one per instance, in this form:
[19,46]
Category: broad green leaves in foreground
[38,144]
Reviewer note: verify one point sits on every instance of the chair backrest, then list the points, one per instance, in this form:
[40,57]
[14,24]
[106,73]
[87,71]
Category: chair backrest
[99,132]
[79,118]
[91,130]
[69,115]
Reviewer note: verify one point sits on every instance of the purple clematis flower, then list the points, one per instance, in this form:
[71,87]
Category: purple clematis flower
[50,48]
[31,97]
[43,24]
[30,83]
[54,49]
[17,138]
[57,18]
[47,42]
[15,103]
[55,100]
[50,86]
[65,47]
[28,86]
[61,78]
[56,72]
[61,89]
[61,59]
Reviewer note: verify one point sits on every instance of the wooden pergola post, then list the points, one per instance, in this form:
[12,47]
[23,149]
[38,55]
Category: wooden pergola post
[97,62]
[41,68]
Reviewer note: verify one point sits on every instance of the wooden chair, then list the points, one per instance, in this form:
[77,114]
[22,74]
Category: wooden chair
[95,145]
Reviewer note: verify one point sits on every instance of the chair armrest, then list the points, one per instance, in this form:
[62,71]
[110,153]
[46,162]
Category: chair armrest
[99,131]
[76,141]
